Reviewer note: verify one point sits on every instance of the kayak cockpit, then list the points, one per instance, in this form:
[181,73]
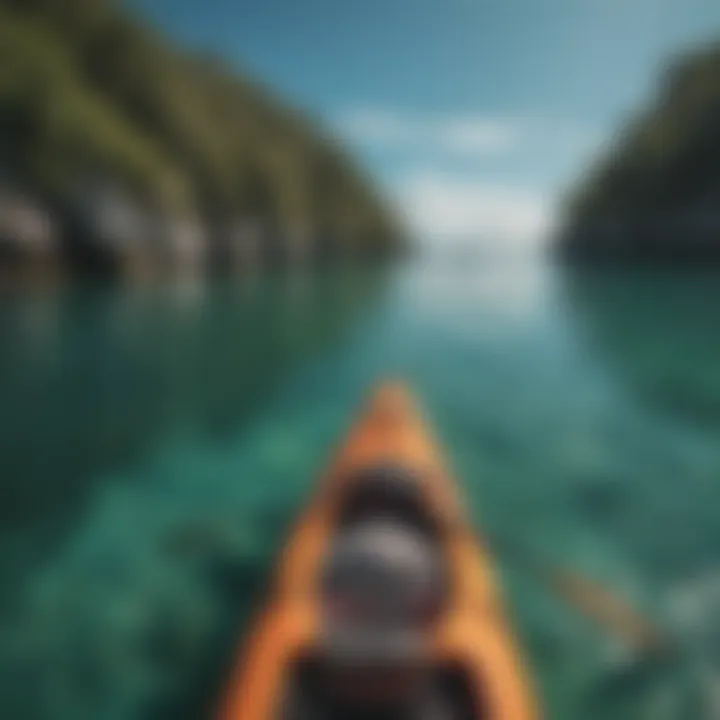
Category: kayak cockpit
[384,577]
[383,589]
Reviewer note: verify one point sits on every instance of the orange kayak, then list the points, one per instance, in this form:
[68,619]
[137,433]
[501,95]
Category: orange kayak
[473,635]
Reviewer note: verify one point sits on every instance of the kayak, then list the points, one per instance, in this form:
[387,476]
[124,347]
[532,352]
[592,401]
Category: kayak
[471,637]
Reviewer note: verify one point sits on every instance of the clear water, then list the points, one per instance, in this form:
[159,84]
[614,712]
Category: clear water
[155,442]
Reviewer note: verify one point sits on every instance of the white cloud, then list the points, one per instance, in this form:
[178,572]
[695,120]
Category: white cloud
[479,135]
[467,134]
[449,209]
[463,134]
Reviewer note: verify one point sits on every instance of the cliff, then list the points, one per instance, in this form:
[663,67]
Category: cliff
[656,194]
[116,139]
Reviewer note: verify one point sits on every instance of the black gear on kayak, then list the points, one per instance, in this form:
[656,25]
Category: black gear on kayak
[385,579]
[388,491]
[446,694]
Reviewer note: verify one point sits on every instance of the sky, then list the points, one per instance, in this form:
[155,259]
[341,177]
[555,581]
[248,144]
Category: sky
[476,116]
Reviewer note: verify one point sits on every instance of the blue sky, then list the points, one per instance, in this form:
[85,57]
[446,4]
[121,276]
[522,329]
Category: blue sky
[474,114]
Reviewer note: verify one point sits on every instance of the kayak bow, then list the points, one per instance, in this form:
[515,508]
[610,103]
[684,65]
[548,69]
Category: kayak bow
[472,634]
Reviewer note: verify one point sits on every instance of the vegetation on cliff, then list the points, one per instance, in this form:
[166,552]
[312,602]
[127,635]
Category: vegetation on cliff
[87,91]
[655,194]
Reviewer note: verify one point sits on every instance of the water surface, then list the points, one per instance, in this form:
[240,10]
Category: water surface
[155,441]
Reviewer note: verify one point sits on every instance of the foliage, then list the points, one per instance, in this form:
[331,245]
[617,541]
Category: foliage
[667,162]
[88,90]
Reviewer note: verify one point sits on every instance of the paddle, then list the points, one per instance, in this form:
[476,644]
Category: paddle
[597,602]
[669,662]
[655,655]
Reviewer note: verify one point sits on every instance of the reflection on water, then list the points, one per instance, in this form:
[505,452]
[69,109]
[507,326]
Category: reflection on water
[93,378]
[660,330]
[156,441]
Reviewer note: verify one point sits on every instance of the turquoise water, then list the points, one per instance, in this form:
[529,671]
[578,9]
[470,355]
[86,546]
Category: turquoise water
[155,442]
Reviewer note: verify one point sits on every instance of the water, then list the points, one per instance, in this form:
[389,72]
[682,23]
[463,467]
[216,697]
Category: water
[155,441]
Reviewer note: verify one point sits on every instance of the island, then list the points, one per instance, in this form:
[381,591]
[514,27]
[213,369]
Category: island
[655,195]
[120,151]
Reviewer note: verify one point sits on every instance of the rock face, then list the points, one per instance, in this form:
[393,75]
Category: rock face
[180,243]
[242,241]
[103,226]
[143,150]
[27,230]
[656,194]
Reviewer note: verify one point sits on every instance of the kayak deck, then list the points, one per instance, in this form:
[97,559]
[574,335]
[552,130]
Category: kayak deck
[473,633]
